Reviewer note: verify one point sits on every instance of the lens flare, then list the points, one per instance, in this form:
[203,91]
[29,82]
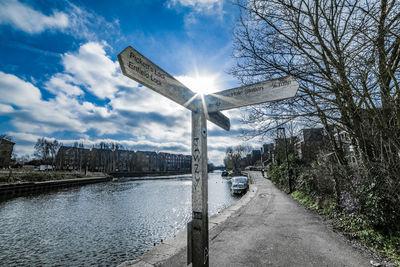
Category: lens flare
[200,84]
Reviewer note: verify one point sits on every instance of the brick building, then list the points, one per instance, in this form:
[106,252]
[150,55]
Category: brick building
[107,160]
[148,161]
[309,143]
[72,158]
[124,161]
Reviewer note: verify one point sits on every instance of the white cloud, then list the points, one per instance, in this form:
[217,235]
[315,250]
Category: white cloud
[200,6]
[18,92]
[25,18]
[87,25]
[63,83]
[197,7]
[4,109]
[142,99]
[25,137]
[145,119]
[35,117]
[91,68]
[73,20]
[33,113]
[189,19]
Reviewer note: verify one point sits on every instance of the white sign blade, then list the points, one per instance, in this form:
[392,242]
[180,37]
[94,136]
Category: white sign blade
[141,69]
[267,91]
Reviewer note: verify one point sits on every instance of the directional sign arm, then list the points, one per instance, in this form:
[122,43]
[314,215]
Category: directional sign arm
[219,119]
[141,69]
[267,91]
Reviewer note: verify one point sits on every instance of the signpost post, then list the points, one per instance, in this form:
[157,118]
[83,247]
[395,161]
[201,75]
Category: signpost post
[262,162]
[139,68]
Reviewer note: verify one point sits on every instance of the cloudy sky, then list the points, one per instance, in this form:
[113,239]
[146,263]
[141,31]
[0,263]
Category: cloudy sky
[60,78]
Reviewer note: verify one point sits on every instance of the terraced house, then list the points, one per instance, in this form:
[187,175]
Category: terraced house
[118,160]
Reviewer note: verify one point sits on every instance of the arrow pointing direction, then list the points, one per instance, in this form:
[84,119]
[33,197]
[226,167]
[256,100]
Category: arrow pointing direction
[141,69]
[266,91]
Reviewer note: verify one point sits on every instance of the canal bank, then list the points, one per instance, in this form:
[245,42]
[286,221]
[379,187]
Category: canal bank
[171,251]
[8,191]
[22,188]
[148,174]
[269,229]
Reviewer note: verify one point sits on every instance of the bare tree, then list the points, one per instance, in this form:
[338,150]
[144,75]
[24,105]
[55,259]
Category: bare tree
[345,55]
[235,156]
[54,146]
[108,155]
[42,150]
[46,150]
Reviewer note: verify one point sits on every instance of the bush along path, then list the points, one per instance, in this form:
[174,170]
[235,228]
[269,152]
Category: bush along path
[341,194]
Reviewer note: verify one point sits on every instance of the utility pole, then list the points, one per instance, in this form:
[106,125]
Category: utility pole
[287,158]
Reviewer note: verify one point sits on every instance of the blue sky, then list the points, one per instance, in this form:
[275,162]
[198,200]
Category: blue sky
[60,78]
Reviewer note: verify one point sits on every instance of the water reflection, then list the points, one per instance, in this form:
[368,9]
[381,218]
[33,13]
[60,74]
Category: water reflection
[100,224]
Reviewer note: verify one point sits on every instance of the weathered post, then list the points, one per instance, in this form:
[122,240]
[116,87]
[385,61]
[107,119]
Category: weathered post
[262,162]
[199,225]
[139,68]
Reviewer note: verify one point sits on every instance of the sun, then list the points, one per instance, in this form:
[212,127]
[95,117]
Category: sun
[201,84]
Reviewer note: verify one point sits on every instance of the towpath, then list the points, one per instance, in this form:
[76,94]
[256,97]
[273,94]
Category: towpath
[274,230]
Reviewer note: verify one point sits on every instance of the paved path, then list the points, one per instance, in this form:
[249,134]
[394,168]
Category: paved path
[274,230]
[258,179]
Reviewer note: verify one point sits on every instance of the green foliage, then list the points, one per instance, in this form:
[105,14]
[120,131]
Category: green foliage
[359,203]
[379,196]
[306,200]
[356,227]
[279,174]
[362,229]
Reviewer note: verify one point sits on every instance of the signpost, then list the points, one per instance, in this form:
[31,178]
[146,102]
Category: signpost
[139,68]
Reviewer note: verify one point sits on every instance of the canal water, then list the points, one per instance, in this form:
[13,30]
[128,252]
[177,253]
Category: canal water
[101,224]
